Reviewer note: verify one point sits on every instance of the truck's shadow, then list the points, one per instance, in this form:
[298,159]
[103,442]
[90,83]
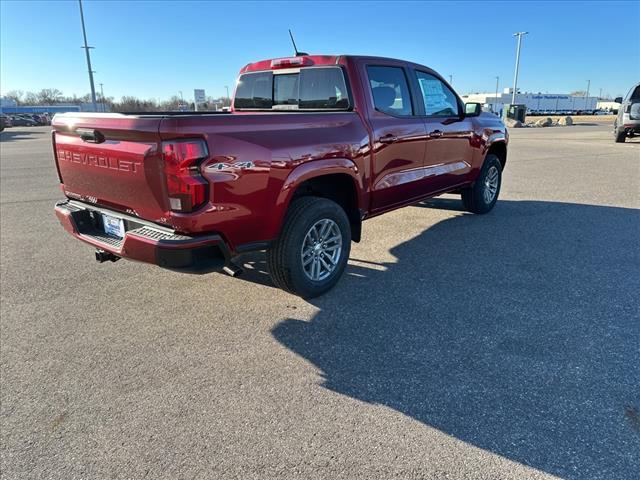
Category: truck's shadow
[19,133]
[517,332]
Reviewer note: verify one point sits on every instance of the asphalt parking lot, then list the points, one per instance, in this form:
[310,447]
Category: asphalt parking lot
[457,346]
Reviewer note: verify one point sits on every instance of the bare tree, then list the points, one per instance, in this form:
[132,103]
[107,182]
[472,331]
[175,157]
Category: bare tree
[49,96]
[30,98]
[172,104]
[127,103]
[15,95]
[134,104]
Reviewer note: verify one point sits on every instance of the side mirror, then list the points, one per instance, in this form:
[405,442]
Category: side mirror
[472,109]
[618,99]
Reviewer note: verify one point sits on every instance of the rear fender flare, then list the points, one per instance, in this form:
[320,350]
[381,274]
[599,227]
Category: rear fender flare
[307,171]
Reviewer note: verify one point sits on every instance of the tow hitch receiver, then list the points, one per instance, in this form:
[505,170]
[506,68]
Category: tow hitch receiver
[102,256]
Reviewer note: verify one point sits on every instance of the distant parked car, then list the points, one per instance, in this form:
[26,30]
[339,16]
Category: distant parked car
[6,121]
[20,121]
[627,123]
[36,118]
[39,118]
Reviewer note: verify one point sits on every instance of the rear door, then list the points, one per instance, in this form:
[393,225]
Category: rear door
[112,160]
[399,137]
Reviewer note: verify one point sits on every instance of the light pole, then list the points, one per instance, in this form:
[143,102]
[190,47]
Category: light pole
[497,82]
[86,49]
[228,98]
[515,78]
[102,97]
[586,97]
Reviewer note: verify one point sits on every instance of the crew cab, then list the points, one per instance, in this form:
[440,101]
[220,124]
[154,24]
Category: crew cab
[313,145]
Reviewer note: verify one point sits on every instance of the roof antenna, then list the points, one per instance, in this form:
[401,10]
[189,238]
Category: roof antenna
[295,49]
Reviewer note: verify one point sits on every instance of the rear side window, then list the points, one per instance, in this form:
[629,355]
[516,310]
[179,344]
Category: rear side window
[322,88]
[439,100]
[390,90]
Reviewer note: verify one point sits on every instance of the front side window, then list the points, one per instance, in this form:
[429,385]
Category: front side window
[439,100]
[390,90]
[319,88]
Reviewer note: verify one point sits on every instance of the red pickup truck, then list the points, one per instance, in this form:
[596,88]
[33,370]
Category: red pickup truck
[313,146]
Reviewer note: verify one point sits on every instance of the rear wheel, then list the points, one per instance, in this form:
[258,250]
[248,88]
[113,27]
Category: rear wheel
[619,134]
[483,195]
[312,250]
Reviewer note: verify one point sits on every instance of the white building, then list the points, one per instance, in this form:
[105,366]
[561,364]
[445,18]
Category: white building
[608,105]
[548,103]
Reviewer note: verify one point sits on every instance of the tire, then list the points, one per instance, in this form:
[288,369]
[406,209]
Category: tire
[483,194]
[619,135]
[285,257]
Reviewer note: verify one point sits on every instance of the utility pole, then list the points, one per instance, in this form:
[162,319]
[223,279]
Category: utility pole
[497,83]
[515,78]
[600,94]
[586,97]
[86,49]
[102,97]
[228,98]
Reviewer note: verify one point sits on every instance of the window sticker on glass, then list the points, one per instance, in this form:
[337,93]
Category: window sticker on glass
[439,101]
[435,99]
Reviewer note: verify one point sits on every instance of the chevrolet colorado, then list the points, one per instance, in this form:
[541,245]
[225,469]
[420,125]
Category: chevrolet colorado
[627,123]
[313,146]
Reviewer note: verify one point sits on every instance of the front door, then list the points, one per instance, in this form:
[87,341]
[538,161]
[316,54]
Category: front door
[448,157]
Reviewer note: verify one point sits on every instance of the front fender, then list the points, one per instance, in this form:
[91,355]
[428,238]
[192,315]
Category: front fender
[493,137]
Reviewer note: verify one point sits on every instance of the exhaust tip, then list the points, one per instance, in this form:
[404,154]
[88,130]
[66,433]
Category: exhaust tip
[232,269]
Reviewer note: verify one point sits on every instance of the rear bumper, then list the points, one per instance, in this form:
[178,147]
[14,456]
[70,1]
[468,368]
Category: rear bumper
[144,241]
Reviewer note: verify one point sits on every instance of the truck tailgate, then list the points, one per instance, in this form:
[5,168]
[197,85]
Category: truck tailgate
[112,160]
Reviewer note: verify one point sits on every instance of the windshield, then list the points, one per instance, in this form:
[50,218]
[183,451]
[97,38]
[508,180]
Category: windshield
[313,88]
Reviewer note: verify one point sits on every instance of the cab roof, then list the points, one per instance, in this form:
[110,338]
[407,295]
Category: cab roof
[314,60]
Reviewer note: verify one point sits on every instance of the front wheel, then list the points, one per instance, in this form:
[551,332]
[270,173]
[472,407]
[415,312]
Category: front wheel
[311,253]
[483,195]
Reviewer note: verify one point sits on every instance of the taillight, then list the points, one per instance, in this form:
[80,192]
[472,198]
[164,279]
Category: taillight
[186,187]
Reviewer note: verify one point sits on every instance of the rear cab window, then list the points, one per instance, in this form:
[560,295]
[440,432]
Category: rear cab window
[307,88]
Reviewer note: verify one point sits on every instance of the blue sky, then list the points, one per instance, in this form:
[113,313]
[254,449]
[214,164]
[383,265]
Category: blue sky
[153,49]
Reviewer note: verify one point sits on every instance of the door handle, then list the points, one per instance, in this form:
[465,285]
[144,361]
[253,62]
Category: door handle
[435,134]
[388,139]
